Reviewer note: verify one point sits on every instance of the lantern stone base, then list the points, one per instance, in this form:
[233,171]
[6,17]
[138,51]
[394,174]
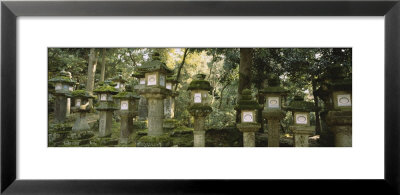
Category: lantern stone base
[155,116]
[340,123]
[126,128]
[104,141]
[81,123]
[249,133]
[154,141]
[169,124]
[199,132]
[301,134]
[60,108]
[274,117]
[105,122]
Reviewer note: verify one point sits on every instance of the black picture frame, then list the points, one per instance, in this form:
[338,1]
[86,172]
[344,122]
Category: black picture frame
[10,10]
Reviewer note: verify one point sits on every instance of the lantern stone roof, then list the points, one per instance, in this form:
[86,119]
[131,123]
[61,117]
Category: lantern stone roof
[137,74]
[63,77]
[298,104]
[199,83]
[274,87]
[81,93]
[172,79]
[118,78]
[344,84]
[105,88]
[247,102]
[127,94]
[154,65]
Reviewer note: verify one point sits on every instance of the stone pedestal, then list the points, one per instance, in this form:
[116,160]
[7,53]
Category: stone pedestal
[60,108]
[199,132]
[301,135]
[155,98]
[105,123]
[274,118]
[249,133]
[340,123]
[81,123]
[126,128]
[167,107]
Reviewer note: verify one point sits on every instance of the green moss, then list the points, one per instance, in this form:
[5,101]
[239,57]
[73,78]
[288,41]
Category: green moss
[107,106]
[246,102]
[162,140]
[62,79]
[278,89]
[200,85]
[81,93]
[154,65]
[105,89]
[201,108]
[301,105]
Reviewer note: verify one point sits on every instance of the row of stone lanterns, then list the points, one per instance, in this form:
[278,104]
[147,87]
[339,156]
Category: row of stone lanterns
[63,87]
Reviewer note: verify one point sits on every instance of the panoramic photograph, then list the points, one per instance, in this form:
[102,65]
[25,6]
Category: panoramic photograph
[199,97]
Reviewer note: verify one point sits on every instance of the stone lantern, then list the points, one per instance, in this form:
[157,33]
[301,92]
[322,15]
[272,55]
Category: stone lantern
[119,82]
[106,107]
[169,102]
[199,107]
[301,121]
[81,105]
[339,117]
[63,87]
[128,109]
[248,120]
[155,92]
[274,102]
[143,111]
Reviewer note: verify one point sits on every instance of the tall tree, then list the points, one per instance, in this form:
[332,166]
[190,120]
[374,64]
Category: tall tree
[91,72]
[103,64]
[178,74]
[244,73]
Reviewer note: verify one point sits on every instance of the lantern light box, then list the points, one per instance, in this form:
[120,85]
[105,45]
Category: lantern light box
[103,97]
[142,81]
[169,86]
[248,116]
[152,79]
[344,100]
[162,80]
[197,98]
[58,86]
[78,102]
[124,105]
[301,118]
[273,102]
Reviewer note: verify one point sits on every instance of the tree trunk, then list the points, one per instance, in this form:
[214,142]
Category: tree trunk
[317,121]
[180,67]
[222,94]
[91,72]
[103,65]
[244,73]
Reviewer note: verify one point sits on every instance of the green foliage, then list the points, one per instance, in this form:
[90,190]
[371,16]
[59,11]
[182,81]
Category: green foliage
[105,89]
[200,85]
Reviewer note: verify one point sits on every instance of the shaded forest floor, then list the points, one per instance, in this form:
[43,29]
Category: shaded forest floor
[61,135]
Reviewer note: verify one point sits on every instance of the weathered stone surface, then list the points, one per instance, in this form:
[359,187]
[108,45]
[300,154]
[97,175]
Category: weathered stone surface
[199,138]
[301,135]
[143,111]
[60,108]
[126,128]
[340,123]
[249,136]
[274,116]
[68,107]
[249,139]
[156,116]
[81,123]
[105,122]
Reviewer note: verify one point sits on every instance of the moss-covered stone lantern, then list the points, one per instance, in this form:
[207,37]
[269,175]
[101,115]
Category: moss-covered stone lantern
[106,107]
[119,82]
[339,117]
[128,109]
[155,92]
[274,102]
[301,121]
[248,120]
[81,105]
[63,84]
[143,111]
[199,107]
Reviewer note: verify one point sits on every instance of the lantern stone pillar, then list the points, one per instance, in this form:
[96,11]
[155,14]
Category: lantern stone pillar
[106,107]
[128,103]
[199,107]
[248,108]
[301,127]
[155,73]
[274,118]
[340,123]
[81,106]
[274,102]
[63,87]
